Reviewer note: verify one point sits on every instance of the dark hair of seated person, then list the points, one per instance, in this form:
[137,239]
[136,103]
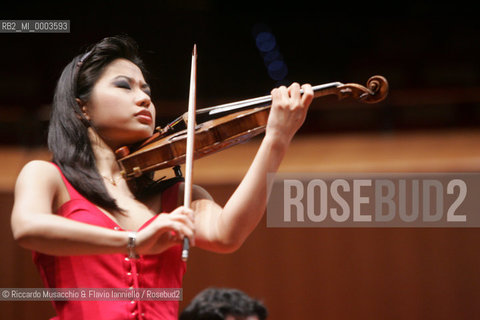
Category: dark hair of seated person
[218,303]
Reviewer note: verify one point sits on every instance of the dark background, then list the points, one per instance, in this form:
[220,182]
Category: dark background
[429,53]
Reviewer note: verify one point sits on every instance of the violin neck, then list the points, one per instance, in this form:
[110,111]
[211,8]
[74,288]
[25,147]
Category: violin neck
[319,91]
[215,112]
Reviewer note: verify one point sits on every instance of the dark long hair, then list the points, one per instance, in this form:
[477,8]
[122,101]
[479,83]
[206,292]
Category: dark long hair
[68,138]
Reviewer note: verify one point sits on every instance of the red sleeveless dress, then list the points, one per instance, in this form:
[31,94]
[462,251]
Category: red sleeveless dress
[164,270]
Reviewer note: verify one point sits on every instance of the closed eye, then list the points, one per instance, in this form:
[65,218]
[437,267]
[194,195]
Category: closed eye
[147,90]
[123,84]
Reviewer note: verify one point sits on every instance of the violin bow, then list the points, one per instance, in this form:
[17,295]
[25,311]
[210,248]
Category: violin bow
[187,200]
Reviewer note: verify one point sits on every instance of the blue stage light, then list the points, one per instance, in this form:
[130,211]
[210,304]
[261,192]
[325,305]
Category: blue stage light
[273,59]
[277,70]
[265,41]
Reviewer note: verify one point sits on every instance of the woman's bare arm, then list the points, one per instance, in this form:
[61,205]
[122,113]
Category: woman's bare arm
[36,227]
[225,229]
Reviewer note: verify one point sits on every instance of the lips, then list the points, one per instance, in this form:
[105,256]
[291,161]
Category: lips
[144,116]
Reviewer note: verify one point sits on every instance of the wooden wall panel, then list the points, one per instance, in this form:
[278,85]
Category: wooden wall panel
[349,273]
[18,271]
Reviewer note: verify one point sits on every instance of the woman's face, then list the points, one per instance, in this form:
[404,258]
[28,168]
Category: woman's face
[120,108]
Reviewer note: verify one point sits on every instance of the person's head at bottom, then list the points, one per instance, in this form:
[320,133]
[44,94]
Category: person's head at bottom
[224,304]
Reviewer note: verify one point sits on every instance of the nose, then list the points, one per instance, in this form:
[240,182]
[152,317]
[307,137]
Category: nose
[143,99]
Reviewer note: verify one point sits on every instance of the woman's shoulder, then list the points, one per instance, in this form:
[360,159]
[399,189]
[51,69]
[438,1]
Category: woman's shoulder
[40,186]
[40,171]
[46,167]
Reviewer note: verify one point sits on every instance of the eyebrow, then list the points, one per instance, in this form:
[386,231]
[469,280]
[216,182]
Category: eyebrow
[130,79]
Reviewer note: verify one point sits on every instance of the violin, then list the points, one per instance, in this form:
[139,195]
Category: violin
[224,126]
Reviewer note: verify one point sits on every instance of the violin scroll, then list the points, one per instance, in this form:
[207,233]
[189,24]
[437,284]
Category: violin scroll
[375,91]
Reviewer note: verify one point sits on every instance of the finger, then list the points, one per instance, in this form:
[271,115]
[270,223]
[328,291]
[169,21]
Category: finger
[184,211]
[294,91]
[307,96]
[279,91]
[190,213]
[191,238]
[284,92]
[280,96]
[183,219]
[187,212]
[184,231]
[295,96]
[173,222]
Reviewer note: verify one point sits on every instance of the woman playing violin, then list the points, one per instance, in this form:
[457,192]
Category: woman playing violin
[88,228]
